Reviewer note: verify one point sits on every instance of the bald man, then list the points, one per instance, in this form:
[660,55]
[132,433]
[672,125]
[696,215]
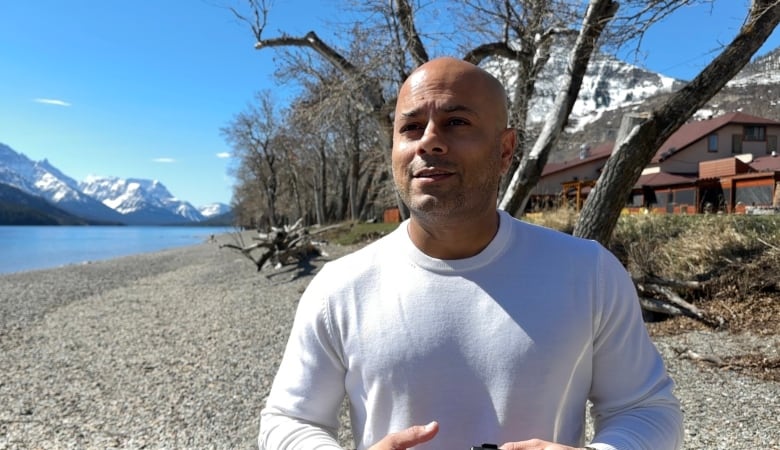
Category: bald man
[466,325]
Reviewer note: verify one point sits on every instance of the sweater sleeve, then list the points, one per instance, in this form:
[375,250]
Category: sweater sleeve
[303,406]
[633,404]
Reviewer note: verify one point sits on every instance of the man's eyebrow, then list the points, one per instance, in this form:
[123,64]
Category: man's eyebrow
[458,108]
[447,109]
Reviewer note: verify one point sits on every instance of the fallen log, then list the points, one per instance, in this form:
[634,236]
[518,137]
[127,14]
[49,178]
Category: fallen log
[656,295]
[281,246]
[686,353]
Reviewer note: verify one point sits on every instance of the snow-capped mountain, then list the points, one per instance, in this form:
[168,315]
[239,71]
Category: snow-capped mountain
[104,199]
[609,84]
[140,200]
[754,91]
[765,70]
[214,209]
[44,180]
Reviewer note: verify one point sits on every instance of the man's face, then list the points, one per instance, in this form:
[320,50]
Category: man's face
[450,143]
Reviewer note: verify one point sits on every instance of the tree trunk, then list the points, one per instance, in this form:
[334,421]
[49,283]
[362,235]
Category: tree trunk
[590,223]
[354,171]
[524,179]
[602,209]
[321,186]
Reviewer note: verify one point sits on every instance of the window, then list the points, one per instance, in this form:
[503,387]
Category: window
[755,195]
[635,200]
[712,143]
[685,196]
[736,144]
[755,133]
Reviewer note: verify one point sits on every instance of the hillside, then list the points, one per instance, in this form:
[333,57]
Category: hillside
[755,91]
[20,208]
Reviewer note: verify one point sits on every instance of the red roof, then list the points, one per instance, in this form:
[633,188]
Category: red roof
[601,151]
[692,132]
[662,179]
[686,135]
[766,163]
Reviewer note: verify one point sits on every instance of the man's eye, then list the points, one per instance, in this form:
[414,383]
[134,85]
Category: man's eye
[456,121]
[409,127]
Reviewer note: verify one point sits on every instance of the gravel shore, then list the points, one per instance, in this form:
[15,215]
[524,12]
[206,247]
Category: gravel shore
[177,349]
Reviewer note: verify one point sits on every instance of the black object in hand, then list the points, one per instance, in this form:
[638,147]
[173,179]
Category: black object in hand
[485,447]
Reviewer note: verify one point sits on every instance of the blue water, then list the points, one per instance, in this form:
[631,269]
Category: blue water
[24,248]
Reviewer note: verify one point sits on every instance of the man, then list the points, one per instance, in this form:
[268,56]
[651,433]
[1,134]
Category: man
[465,325]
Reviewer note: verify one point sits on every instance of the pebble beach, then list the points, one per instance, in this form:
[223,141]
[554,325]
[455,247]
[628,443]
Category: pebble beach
[177,350]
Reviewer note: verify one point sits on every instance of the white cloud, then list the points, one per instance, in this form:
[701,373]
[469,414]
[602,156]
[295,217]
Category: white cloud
[164,160]
[51,101]
[223,155]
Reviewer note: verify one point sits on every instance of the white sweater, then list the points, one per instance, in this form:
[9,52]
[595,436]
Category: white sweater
[504,346]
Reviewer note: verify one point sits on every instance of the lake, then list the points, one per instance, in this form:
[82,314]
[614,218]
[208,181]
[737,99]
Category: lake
[25,248]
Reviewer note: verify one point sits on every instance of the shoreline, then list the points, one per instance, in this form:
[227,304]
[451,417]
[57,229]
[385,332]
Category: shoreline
[178,349]
[63,257]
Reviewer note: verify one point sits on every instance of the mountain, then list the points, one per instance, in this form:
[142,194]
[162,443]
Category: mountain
[140,201]
[43,180]
[612,88]
[214,209]
[131,201]
[221,220]
[754,91]
[609,84]
[763,71]
[20,208]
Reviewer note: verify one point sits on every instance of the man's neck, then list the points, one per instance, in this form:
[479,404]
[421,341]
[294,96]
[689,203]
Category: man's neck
[445,238]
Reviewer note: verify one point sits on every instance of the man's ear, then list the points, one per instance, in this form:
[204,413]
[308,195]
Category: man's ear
[508,142]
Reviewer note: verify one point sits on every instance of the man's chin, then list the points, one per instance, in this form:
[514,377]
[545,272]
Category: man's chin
[432,207]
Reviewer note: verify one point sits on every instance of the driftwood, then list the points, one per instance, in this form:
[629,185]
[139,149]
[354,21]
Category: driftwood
[281,246]
[656,295]
[686,353]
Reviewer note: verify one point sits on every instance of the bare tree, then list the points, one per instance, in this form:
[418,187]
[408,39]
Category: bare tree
[252,134]
[624,167]
[365,69]
[370,87]
[311,158]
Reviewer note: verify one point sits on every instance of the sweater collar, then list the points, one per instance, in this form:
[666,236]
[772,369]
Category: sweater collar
[452,266]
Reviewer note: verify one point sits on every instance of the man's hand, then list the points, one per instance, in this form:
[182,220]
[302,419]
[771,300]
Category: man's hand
[535,444]
[407,438]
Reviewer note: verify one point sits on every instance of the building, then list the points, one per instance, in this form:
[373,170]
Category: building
[728,163]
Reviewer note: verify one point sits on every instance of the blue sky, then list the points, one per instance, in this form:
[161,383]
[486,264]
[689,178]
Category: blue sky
[141,88]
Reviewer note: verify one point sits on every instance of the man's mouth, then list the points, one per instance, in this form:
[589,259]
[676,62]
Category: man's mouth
[432,173]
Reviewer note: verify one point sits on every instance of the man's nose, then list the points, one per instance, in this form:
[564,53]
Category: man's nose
[432,140]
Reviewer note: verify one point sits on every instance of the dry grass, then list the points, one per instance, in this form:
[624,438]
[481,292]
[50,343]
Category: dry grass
[733,258]
[353,233]
[692,247]
[562,219]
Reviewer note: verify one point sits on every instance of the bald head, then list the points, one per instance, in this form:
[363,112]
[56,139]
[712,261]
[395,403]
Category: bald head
[448,71]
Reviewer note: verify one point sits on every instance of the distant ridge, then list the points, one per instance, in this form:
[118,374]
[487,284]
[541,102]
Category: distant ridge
[19,208]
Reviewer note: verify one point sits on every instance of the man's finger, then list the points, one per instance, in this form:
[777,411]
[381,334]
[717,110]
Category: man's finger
[412,436]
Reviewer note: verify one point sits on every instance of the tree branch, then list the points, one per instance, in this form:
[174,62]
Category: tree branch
[414,43]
